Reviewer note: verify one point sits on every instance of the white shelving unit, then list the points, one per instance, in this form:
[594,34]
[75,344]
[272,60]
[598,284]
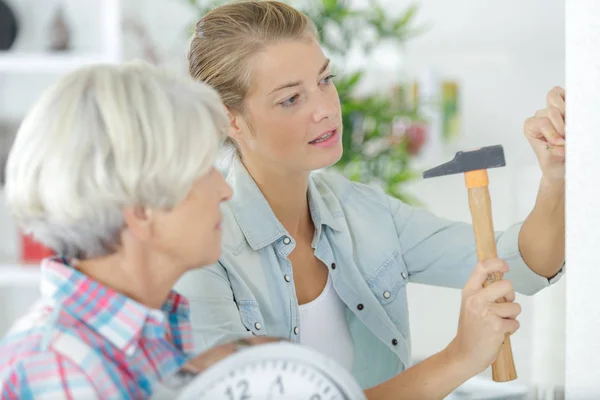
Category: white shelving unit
[50,63]
[15,275]
[18,62]
[109,14]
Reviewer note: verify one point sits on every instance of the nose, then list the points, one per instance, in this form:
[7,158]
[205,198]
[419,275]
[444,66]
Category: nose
[326,106]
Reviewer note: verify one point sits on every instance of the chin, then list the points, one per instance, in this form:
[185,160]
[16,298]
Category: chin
[327,159]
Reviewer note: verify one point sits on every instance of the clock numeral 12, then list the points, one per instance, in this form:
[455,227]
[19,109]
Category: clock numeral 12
[242,392]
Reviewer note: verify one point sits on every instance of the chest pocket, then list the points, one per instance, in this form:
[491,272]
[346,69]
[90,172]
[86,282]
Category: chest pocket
[388,284]
[252,317]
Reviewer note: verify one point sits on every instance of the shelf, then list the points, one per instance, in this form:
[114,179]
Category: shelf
[46,62]
[15,275]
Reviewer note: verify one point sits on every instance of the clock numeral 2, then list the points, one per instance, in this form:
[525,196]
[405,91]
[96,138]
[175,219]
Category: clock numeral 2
[241,393]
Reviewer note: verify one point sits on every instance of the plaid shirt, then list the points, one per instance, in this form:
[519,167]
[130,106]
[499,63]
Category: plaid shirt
[82,340]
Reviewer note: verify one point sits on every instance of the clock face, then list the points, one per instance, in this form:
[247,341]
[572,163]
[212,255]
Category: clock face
[275,379]
[282,371]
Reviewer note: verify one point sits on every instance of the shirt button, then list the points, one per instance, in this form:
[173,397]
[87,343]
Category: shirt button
[394,342]
[332,265]
[296,331]
[387,295]
[286,240]
[403,275]
[287,278]
[258,326]
[360,307]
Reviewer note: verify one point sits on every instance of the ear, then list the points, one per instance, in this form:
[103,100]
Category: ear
[238,127]
[138,220]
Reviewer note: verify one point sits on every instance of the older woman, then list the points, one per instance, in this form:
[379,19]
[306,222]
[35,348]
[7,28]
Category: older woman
[113,169]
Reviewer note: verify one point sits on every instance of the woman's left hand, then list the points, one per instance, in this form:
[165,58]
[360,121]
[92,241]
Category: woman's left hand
[546,134]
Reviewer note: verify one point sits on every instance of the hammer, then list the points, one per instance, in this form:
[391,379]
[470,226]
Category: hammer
[474,164]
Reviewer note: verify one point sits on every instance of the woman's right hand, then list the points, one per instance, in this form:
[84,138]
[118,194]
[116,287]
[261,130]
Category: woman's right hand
[483,321]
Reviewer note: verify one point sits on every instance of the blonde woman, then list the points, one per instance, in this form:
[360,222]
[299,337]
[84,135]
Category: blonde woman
[113,169]
[320,260]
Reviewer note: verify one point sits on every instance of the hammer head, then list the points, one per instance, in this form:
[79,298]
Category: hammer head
[472,160]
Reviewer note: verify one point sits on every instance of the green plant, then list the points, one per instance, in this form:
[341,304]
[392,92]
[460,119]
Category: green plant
[372,153]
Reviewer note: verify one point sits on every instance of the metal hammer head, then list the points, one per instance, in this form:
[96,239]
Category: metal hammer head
[472,160]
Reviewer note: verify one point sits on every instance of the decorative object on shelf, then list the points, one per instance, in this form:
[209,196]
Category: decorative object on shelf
[372,154]
[439,103]
[451,110]
[426,92]
[445,100]
[9,27]
[32,252]
[149,49]
[60,33]
[412,133]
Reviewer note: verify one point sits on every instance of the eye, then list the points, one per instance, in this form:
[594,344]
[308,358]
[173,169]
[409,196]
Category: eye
[327,80]
[290,102]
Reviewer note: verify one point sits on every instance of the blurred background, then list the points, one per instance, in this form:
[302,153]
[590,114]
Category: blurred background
[418,82]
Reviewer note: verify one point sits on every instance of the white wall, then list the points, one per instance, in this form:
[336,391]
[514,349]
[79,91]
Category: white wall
[583,79]
[506,56]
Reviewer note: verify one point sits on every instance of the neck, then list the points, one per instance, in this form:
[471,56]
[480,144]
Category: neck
[287,195]
[134,273]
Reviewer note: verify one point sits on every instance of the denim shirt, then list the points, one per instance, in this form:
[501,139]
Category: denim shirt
[372,244]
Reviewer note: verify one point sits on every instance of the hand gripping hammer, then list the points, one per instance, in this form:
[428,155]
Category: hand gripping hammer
[474,164]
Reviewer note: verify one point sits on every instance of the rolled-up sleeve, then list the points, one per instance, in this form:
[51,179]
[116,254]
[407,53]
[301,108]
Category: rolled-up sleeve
[441,252]
[524,280]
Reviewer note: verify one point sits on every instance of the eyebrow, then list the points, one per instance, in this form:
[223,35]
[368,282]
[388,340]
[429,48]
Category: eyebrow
[298,83]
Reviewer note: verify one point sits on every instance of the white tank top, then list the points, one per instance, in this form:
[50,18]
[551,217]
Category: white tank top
[324,327]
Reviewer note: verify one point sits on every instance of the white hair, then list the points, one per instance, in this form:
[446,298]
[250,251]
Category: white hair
[105,137]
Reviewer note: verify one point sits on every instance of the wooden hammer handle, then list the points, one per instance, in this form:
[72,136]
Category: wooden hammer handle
[503,369]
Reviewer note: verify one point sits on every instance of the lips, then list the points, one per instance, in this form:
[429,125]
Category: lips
[323,137]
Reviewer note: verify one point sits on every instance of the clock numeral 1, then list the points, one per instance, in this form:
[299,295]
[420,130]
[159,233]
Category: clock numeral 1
[279,383]
[241,393]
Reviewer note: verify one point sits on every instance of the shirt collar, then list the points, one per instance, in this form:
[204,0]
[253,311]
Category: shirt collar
[116,317]
[322,203]
[254,215]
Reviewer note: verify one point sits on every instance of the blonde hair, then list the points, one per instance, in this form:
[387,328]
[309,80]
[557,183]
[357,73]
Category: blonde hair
[227,38]
[105,137]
